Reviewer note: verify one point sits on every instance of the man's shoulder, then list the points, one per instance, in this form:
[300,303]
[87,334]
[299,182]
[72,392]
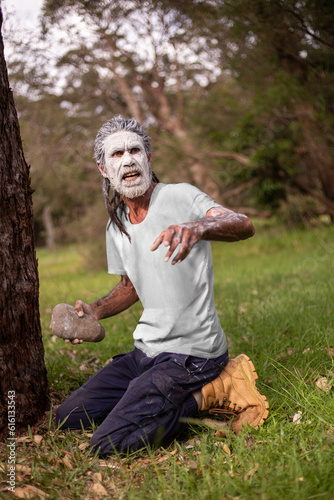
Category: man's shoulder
[179,189]
[178,185]
[183,199]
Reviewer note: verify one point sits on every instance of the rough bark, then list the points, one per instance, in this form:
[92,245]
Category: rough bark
[22,367]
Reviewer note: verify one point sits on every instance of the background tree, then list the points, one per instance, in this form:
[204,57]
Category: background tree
[282,53]
[22,366]
[145,60]
[63,171]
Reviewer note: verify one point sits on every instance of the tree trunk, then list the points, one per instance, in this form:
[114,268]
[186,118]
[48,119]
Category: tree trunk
[22,368]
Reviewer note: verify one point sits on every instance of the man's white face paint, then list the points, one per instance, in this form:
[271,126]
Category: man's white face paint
[126,164]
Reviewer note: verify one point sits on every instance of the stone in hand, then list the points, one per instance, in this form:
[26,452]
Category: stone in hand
[66,323]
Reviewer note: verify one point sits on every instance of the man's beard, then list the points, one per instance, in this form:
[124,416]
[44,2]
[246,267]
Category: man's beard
[135,188]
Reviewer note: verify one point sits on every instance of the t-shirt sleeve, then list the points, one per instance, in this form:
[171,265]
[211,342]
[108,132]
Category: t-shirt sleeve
[114,260]
[196,202]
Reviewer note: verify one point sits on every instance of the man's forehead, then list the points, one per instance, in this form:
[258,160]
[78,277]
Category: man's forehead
[123,139]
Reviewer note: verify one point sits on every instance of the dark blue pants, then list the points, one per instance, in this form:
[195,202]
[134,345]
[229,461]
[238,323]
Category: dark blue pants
[137,399]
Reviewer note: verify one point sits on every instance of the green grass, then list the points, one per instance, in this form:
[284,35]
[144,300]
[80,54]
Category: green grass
[274,294]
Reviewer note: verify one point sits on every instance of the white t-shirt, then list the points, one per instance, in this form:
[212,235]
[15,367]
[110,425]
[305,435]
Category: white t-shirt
[179,308]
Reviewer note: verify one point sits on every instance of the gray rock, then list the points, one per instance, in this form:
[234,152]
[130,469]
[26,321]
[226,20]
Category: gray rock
[65,323]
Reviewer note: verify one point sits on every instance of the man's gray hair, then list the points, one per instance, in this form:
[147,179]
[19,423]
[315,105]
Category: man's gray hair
[117,124]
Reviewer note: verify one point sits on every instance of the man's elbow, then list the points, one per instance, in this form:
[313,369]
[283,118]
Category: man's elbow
[248,229]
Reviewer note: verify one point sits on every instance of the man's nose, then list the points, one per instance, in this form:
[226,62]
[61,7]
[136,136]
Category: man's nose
[127,159]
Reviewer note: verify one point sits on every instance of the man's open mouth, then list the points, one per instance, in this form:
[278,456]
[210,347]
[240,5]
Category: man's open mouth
[130,176]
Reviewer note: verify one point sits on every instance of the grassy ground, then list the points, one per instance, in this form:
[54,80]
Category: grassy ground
[274,295]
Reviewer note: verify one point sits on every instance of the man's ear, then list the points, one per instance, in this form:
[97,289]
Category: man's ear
[102,170]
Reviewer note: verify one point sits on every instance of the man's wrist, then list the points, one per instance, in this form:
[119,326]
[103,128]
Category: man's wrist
[198,229]
[96,309]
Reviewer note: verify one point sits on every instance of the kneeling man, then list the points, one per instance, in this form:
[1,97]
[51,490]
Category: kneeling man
[158,241]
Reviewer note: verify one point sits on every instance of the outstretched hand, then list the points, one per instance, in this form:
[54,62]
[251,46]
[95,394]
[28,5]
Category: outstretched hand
[185,235]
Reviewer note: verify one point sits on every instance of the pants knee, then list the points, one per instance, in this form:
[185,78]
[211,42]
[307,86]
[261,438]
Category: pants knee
[61,415]
[103,445]
[68,417]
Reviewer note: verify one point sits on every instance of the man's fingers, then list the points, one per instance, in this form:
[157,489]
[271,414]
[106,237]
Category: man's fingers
[172,238]
[74,341]
[79,307]
[184,249]
[157,242]
[165,237]
[171,249]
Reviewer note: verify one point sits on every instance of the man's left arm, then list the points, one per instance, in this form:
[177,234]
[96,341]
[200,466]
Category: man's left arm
[219,224]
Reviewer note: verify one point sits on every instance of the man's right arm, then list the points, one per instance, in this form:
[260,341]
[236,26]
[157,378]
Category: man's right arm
[120,298]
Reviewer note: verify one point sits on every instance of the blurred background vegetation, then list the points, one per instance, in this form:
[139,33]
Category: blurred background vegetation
[237,97]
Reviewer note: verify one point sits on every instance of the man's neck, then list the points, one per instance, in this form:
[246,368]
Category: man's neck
[138,207]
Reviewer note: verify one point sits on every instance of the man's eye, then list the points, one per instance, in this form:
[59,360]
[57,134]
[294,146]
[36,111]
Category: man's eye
[134,151]
[117,154]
